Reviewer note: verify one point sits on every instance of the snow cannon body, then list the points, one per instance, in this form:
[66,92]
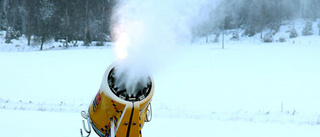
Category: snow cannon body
[113,112]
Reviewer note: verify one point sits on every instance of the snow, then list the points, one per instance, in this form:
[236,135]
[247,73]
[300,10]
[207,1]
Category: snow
[202,91]
[17,123]
[248,89]
[209,128]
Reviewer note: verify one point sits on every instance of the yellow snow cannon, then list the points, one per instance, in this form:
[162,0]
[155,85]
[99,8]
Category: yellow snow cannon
[115,113]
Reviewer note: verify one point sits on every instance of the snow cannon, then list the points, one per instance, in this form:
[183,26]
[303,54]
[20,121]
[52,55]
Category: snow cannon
[115,113]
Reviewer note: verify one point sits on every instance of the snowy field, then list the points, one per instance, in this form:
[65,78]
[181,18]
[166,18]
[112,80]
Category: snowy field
[249,89]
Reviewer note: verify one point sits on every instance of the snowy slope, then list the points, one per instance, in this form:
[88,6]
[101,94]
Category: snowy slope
[248,89]
[202,91]
[53,124]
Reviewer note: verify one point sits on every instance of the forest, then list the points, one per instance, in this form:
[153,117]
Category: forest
[91,20]
[43,20]
[254,16]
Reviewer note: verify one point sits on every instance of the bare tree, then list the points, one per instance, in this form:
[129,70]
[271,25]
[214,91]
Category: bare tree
[46,11]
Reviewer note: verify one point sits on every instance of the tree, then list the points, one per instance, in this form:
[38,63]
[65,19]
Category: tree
[254,23]
[31,7]
[106,11]
[293,33]
[309,9]
[87,37]
[307,30]
[46,10]
[13,14]
[7,5]
[319,27]
[62,19]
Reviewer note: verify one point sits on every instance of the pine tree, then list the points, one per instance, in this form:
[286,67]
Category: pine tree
[293,33]
[307,30]
[7,5]
[319,26]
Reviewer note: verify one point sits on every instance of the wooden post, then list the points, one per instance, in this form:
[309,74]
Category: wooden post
[281,107]
[223,35]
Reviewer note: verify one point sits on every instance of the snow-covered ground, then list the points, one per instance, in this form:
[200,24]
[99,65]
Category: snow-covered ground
[16,123]
[248,89]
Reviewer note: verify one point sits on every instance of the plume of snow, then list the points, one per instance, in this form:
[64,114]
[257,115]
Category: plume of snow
[147,32]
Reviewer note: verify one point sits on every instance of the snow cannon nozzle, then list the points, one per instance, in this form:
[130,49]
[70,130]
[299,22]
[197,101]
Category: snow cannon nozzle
[129,90]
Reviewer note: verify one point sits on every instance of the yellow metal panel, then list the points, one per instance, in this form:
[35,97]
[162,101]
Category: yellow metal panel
[102,110]
[124,122]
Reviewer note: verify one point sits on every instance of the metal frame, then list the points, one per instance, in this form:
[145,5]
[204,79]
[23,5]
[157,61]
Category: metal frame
[85,116]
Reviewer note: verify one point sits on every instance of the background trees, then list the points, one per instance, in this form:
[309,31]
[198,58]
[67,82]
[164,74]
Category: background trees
[90,20]
[68,20]
[254,16]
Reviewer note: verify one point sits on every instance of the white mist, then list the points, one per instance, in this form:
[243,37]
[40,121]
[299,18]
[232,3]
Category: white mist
[146,33]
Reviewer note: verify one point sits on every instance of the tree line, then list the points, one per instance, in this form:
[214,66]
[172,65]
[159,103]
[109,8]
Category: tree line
[43,20]
[254,16]
[90,20]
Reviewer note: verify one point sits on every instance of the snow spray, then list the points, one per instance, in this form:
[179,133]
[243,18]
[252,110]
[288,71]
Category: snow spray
[147,33]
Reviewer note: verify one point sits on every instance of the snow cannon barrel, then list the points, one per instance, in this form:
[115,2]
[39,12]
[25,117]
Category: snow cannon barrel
[113,112]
